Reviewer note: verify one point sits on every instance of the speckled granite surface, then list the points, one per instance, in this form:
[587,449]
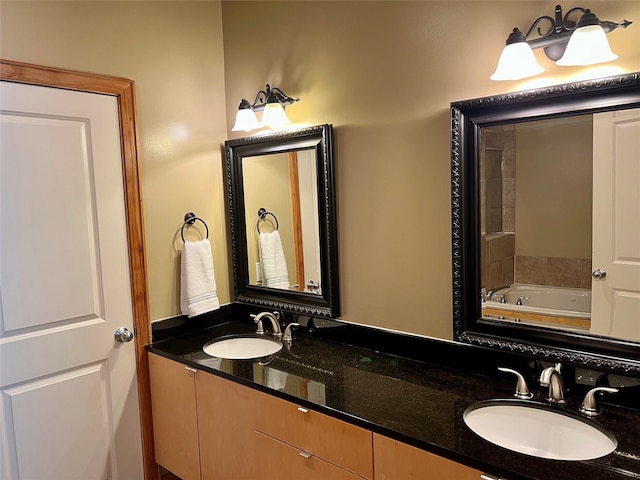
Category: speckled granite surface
[418,402]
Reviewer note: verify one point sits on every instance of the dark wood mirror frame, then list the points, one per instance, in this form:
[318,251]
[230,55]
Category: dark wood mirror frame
[320,139]
[467,118]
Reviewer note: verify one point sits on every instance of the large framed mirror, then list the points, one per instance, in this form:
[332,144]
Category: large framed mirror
[283,223]
[546,221]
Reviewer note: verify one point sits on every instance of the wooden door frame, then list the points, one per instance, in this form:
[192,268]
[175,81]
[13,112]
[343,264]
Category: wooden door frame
[124,90]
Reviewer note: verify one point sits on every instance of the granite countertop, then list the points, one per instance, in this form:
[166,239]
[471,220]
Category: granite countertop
[419,403]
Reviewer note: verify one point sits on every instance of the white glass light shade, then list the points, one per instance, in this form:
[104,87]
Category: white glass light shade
[274,116]
[587,45]
[245,120]
[516,61]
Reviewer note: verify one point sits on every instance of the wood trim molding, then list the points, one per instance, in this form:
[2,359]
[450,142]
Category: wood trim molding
[294,182]
[124,90]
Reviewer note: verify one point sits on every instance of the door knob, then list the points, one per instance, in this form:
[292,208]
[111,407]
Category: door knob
[599,273]
[123,334]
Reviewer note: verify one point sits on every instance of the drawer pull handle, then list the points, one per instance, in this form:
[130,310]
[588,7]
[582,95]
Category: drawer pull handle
[192,370]
[303,410]
[305,454]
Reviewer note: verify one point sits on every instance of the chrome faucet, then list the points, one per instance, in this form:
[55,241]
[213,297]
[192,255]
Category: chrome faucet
[520,299]
[275,323]
[493,291]
[551,377]
[503,298]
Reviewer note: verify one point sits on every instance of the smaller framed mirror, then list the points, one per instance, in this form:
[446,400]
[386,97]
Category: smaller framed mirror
[281,191]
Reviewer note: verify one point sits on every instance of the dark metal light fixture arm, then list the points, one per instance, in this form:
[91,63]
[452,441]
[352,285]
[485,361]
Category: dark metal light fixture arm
[554,39]
[608,26]
[263,95]
[284,99]
[260,100]
[552,27]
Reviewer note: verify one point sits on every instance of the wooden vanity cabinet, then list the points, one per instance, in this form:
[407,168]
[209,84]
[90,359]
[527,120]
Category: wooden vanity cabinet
[175,417]
[398,461]
[210,428]
[203,425]
[226,423]
[297,442]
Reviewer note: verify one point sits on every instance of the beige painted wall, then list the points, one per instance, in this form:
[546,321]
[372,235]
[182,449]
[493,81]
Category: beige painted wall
[173,51]
[554,187]
[384,73]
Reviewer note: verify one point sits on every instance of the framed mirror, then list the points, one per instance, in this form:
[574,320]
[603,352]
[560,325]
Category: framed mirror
[545,222]
[281,191]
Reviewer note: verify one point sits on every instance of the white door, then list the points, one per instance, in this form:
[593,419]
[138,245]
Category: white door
[616,224]
[308,181]
[69,400]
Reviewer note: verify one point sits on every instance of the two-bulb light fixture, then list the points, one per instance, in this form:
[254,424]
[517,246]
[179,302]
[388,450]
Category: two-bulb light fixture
[271,102]
[567,42]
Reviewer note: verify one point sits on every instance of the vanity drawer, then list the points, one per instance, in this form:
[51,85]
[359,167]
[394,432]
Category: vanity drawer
[333,440]
[283,462]
[399,461]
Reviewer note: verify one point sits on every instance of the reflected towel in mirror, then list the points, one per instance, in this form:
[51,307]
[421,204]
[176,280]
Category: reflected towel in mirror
[276,379]
[274,265]
[197,281]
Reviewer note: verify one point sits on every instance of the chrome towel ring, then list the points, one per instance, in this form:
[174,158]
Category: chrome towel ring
[262,213]
[189,219]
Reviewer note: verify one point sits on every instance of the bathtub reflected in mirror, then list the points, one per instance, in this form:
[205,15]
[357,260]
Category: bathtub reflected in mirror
[557,307]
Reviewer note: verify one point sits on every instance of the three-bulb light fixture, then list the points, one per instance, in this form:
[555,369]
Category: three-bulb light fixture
[272,102]
[567,42]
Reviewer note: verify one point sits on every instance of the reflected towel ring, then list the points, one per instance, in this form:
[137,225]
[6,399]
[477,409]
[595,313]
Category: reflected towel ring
[189,219]
[262,213]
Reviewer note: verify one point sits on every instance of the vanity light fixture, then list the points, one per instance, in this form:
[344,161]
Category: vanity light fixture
[567,42]
[271,102]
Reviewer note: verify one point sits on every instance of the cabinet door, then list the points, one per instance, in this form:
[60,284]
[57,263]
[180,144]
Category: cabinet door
[175,420]
[325,437]
[281,461]
[394,460]
[226,424]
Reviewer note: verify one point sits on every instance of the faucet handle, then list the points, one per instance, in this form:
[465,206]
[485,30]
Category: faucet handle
[287,332]
[260,330]
[522,389]
[590,404]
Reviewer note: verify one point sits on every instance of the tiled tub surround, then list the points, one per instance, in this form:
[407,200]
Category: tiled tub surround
[502,267]
[498,257]
[553,271]
[417,402]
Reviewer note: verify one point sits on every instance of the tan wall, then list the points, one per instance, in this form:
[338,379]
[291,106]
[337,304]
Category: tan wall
[554,187]
[384,73]
[173,51]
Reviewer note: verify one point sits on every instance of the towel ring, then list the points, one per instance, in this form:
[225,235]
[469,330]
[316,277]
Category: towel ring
[189,219]
[262,213]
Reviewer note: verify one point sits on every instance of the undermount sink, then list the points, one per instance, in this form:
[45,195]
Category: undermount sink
[242,347]
[539,430]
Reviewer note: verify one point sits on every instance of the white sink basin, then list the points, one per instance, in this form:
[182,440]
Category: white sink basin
[240,347]
[538,430]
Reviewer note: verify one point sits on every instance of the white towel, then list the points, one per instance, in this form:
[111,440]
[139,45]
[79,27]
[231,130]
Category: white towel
[197,281]
[274,265]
